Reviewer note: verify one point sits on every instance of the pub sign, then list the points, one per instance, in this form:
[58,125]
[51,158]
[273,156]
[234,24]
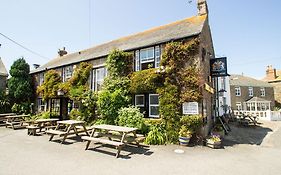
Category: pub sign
[218,67]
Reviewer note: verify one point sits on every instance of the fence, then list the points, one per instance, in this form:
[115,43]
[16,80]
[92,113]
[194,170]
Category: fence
[262,115]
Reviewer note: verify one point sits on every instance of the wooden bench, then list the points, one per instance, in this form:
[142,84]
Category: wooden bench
[31,130]
[118,145]
[55,132]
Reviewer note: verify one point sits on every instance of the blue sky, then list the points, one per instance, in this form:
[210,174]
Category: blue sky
[247,32]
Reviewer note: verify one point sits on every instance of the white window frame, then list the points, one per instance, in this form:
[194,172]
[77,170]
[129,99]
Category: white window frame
[262,92]
[41,104]
[41,79]
[147,59]
[251,91]
[150,105]
[67,73]
[239,106]
[237,91]
[157,56]
[95,79]
[137,60]
[141,95]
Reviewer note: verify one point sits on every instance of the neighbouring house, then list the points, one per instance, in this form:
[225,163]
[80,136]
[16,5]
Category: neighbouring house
[3,76]
[147,48]
[250,95]
[273,77]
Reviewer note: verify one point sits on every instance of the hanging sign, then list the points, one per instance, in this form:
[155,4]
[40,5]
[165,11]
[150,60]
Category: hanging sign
[218,67]
[190,108]
[209,89]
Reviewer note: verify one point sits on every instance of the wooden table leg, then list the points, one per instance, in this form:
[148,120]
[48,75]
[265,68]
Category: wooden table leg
[75,130]
[66,134]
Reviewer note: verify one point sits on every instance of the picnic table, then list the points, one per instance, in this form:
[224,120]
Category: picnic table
[71,127]
[40,124]
[106,131]
[15,120]
[247,119]
[2,116]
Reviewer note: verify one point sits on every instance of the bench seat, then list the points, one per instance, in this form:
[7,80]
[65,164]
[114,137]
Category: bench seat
[55,132]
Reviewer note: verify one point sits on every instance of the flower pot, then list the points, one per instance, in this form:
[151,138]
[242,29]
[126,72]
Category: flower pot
[184,140]
[212,144]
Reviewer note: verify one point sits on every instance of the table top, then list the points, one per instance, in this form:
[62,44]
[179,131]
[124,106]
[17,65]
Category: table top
[47,120]
[16,116]
[115,128]
[71,122]
[7,114]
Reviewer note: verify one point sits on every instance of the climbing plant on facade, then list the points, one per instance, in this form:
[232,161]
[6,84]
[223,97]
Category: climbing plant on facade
[115,93]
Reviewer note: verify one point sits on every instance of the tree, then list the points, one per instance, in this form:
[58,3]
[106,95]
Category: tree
[20,84]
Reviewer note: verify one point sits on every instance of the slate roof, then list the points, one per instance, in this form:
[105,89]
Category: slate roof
[241,80]
[177,30]
[3,70]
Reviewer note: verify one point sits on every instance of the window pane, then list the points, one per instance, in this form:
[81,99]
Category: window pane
[139,100]
[154,110]
[147,54]
[154,100]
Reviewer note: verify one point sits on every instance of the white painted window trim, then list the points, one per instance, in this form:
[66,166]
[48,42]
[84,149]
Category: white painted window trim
[262,92]
[238,93]
[251,91]
[149,105]
[137,60]
[148,59]
[140,95]
[157,56]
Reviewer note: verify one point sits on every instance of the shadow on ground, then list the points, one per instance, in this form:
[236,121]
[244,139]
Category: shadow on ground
[239,134]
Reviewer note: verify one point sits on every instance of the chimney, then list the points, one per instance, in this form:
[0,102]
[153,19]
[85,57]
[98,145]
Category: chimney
[270,73]
[202,7]
[36,66]
[62,52]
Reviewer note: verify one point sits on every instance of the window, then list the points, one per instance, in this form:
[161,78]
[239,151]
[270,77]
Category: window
[139,100]
[55,106]
[157,56]
[41,105]
[147,58]
[239,106]
[262,92]
[98,76]
[41,79]
[137,56]
[147,55]
[251,91]
[237,91]
[67,73]
[154,105]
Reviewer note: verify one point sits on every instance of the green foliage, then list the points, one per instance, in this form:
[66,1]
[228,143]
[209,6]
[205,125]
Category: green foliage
[184,132]
[81,74]
[181,84]
[156,135]
[145,81]
[5,105]
[131,117]
[115,93]
[192,122]
[23,108]
[50,87]
[75,114]
[43,115]
[119,63]
[110,102]
[20,84]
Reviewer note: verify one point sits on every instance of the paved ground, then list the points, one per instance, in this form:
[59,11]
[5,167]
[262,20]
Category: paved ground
[247,151]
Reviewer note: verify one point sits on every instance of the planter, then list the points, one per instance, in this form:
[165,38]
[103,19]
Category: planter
[220,133]
[184,140]
[212,144]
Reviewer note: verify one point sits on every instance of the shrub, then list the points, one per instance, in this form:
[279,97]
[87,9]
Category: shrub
[110,102]
[192,122]
[156,136]
[145,81]
[131,117]
[23,108]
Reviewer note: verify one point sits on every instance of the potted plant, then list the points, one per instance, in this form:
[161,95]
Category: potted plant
[184,136]
[218,130]
[214,141]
